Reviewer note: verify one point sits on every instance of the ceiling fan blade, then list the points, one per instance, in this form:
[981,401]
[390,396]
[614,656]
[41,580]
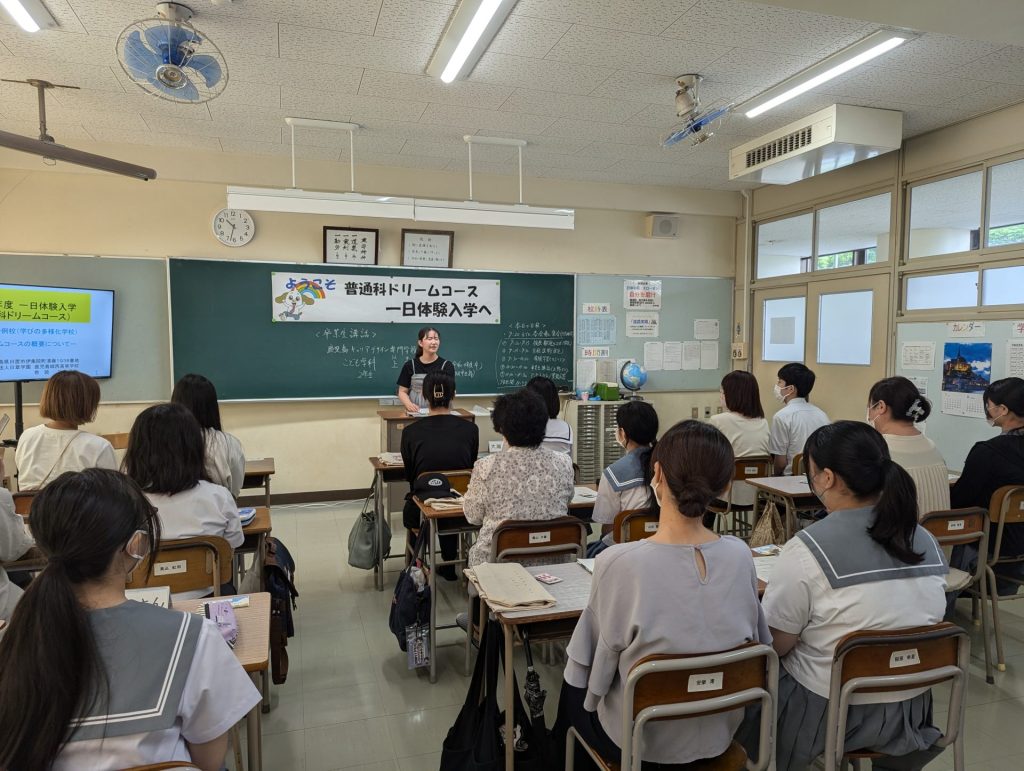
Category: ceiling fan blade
[208,67]
[173,41]
[139,57]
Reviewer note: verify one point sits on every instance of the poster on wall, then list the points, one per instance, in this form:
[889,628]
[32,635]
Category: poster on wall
[641,294]
[966,373]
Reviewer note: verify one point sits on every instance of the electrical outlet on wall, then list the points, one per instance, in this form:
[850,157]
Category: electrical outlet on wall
[707,413]
[495,446]
[739,350]
[695,413]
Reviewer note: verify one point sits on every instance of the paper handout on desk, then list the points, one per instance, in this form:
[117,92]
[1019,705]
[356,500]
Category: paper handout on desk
[583,495]
[444,504]
[509,586]
[765,566]
[587,563]
[391,458]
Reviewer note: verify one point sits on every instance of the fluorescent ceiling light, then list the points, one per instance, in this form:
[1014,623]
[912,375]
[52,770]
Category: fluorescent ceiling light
[30,15]
[477,213]
[294,201]
[470,30]
[871,47]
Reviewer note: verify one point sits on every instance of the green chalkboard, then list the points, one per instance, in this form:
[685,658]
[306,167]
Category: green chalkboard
[225,325]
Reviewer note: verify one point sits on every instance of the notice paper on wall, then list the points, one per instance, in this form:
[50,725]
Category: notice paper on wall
[642,324]
[595,330]
[691,354]
[1015,359]
[918,356]
[654,356]
[709,354]
[673,356]
[596,308]
[1017,329]
[705,329]
[595,352]
[921,383]
[586,372]
[641,294]
[966,373]
[966,328]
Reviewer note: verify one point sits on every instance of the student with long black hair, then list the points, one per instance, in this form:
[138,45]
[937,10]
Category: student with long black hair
[165,457]
[225,459]
[867,565]
[90,680]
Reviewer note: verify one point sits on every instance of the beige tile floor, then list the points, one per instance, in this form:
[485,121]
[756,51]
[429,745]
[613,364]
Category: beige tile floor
[351,703]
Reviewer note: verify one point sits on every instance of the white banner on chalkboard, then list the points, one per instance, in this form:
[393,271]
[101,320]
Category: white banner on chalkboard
[384,299]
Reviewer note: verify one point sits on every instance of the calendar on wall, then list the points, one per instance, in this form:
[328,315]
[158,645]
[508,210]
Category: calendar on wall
[427,248]
[350,246]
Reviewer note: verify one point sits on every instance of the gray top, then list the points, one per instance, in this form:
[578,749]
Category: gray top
[649,598]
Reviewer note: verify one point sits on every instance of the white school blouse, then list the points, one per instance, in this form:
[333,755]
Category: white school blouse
[225,460]
[790,428]
[923,461]
[14,542]
[45,453]
[748,436]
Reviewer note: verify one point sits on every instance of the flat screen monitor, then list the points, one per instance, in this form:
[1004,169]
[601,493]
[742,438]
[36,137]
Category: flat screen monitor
[44,329]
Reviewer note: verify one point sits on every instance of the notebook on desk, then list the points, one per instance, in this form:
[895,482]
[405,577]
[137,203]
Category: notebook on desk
[391,459]
[509,586]
[583,495]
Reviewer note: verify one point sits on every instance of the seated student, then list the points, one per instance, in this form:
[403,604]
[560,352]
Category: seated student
[625,484]
[867,565]
[525,481]
[684,590]
[743,424]
[165,458]
[89,680]
[558,433]
[797,420]
[895,407]
[992,464]
[225,459]
[14,542]
[70,398]
[438,442]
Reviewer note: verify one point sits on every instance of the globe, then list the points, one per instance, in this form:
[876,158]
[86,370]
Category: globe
[633,376]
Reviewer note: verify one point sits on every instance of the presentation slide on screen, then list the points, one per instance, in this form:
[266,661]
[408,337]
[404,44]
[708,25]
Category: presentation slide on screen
[45,329]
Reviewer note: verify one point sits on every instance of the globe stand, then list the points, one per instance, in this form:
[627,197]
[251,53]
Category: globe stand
[631,383]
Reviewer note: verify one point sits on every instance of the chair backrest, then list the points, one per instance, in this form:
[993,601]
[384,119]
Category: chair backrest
[186,564]
[798,464]
[635,525]
[896,660]
[458,479]
[119,441]
[1005,508]
[517,539]
[669,686]
[576,473]
[956,527]
[752,467]
[23,502]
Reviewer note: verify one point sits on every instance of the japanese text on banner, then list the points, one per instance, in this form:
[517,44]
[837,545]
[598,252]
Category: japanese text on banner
[384,299]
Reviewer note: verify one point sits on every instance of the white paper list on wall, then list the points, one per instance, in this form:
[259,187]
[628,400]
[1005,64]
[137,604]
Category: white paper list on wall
[642,324]
[1015,358]
[673,356]
[596,329]
[706,329]
[709,354]
[654,356]
[918,356]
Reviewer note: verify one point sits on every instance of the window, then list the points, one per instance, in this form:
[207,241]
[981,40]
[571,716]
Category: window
[1006,204]
[945,216]
[1003,286]
[854,233]
[783,335]
[844,328]
[942,290]
[783,244]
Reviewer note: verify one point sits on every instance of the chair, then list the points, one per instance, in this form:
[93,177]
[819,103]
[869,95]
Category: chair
[634,525]
[458,480]
[663,687]
[962,527]
[119,441]
[898,660]
[798,464]
[522,540]
[750,467]
[1005,508]
[185,565]
[23,502]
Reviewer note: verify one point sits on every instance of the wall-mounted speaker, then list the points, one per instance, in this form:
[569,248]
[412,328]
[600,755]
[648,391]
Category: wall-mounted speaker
[662,225]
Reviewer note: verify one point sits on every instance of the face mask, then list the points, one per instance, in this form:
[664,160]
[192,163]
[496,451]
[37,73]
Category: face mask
[990,420]
[778,393]
[867,415]
[654,491]
[819,495]
[721,400]
[139,550]
[619,438]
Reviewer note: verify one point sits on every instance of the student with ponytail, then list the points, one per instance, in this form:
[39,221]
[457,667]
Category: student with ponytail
[90,680]
[684,590]
[867,565]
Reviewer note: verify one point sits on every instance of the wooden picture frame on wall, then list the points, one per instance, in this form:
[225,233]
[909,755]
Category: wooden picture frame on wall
[427,248]
[351,246]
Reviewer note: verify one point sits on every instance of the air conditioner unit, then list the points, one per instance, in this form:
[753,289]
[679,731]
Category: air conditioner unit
[829,139]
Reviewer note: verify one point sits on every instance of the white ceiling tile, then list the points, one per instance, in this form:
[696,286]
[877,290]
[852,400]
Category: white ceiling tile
[422,22]
[318,45]
[546,160]
[412,130]
[571,106]
[639,86]
[258,131]
[350,107]
[422,88]
[255,94]
[65,73]
[1003,66]
[756,68]
[58,117]
[542,74]
[645,16]
[615,151]
[61,11]
[761,27]
[483,167]
[527,36]
[458,149]
[882,83]
[66,47]
[605,132]
[356,16]
[132,101]
[540,141]
[472,119]
[628,50]
[401,161]
[365,142]
[64,134]
[936,54]
[156,138]
[311,76]
[306,152]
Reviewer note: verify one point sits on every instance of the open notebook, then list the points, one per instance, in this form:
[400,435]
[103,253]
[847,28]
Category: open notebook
[508,586]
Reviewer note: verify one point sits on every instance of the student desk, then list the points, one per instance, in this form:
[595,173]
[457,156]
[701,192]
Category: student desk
[253,652]
[452,520]
[255,542]
[33,559]
[382,473]
[257,474]
[792,493]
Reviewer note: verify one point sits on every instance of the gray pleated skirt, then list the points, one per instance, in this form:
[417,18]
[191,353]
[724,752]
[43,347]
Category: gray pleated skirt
[901,728]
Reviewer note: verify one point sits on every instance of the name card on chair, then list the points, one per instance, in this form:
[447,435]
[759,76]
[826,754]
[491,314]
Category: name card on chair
[651,527]
[544,537]
[907,658]
[167,568]
[955,524]
[707,681]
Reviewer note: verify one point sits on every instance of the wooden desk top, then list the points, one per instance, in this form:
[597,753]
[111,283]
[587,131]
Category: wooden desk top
[259,467]
[378,466]
[431,513]
[33,559]
[794,486]
[260,522]
[571,595]
[400,414]
[253,647]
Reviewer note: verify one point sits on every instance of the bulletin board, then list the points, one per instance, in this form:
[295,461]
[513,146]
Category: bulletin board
[955,434]
[684,302]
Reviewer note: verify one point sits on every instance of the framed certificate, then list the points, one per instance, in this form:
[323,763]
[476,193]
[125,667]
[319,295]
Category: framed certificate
[427,248]
[351,246]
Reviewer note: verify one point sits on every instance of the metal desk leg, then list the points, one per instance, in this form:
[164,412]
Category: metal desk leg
[432,551]
[791,522]
[510,743]
[254,735]
[378,513]
[266,488]
[265,689]
[261,560]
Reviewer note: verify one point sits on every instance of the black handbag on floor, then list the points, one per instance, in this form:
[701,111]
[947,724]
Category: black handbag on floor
[411,604]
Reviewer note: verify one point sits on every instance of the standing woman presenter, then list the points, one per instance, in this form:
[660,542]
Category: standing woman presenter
[410,379]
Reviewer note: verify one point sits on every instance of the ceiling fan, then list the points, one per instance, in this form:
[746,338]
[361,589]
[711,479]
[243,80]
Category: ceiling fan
[696,123]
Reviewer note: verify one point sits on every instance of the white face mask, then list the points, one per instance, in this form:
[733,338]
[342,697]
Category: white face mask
[654,491]
[867,415]
[619,440]
[778,393]
[990,420]
[721,400]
